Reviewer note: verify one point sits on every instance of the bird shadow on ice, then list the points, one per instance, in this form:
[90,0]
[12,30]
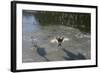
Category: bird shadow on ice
[72,56]
[41,52]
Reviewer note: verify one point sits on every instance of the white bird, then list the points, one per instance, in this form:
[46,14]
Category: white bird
[59,40]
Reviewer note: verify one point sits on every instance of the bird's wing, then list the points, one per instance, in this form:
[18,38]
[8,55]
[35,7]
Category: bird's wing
[53,41]
[66,39]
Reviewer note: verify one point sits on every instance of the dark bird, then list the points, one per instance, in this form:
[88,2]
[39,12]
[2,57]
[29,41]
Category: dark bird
[59,40]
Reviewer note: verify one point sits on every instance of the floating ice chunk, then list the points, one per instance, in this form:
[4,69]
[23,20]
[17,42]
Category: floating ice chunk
[80,35]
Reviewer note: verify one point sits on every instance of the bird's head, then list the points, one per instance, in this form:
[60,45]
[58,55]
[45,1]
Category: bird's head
[61,37]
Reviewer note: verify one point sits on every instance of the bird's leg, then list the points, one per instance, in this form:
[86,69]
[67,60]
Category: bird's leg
[59,44]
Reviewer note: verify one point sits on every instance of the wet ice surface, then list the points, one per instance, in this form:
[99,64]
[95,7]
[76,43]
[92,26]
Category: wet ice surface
[77,48]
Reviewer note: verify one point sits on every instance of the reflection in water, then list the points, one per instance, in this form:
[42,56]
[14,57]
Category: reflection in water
[42,53]
[30,24]
[72,56]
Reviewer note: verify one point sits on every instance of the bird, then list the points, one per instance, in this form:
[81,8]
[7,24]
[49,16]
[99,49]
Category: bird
[59,40]
[34,42]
